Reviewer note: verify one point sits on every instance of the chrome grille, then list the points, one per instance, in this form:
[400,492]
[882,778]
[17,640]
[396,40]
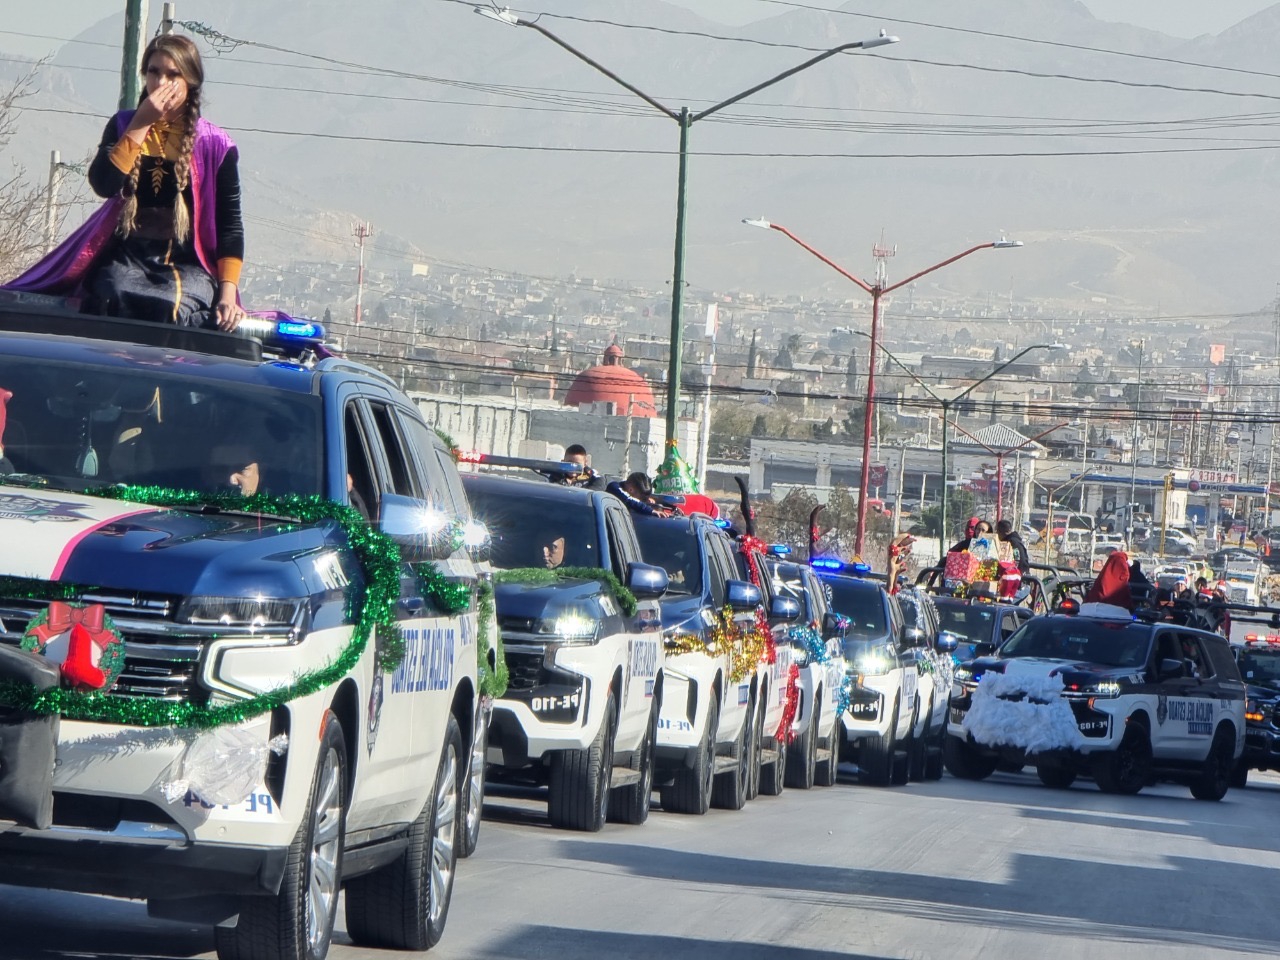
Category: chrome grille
[526,670]
[162,658]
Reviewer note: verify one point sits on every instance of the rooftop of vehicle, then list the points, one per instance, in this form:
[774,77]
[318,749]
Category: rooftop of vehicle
[528,487]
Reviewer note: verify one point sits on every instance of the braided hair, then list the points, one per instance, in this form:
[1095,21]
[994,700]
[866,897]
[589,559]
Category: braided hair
[186,57]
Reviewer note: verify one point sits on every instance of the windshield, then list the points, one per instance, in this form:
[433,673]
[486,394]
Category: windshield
[1260,666]
[972,623]
[1119,643]
[673,545]
[529,531]
[862,603]
[75,427]
[788,581]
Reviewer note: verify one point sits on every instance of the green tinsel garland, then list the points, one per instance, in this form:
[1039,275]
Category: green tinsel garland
[540,575]
[492,679]
[378,555]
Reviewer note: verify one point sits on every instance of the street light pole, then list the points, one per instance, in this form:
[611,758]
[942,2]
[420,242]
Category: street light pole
[1133,464]
[877,291]
[947,403]
[685,119]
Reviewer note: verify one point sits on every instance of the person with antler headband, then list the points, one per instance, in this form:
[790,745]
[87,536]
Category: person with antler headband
[168,245]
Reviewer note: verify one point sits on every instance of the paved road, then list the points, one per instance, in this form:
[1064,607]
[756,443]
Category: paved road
[947,870]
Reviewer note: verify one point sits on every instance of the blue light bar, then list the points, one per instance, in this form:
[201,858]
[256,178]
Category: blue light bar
[861,568]
[299,330]
[723,524]
[779,549]
[826,563]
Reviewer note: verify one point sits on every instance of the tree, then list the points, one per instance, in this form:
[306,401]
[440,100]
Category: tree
[961,505]
[22,200]
[787,521]
[761,426]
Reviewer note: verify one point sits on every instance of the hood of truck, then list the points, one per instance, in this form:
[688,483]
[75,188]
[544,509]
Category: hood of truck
[98,542]
[522,606]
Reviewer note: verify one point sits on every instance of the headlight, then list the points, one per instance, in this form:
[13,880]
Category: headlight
[873,664]
[569,627]
[1253,711]
[1107,689]
[962,674]
[241,613]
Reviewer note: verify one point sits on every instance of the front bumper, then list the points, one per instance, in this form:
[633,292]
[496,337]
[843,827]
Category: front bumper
[1261,747]
[867,715]
[1099,723]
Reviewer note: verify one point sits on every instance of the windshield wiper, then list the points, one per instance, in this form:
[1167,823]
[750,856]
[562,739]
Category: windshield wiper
[24,480]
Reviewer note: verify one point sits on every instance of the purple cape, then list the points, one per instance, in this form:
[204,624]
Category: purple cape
[63,270]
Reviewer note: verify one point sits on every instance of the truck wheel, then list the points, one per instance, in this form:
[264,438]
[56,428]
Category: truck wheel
[1059,778]
[918,749]
[297,923]
[1215,777]
[964,762]
[1240,775]
[773,777]
[730,789]
[933,754]
[1126,768]
[826,771]
[802,758]
[473,790]
[579,785]
[690,791]
[404,905]
[630,804]
[757,724]
[875,759]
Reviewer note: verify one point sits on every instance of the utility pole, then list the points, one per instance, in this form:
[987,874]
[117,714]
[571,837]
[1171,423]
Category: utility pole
[1133,457]
[362,232]
[56,167]
[168,14]
[135,31]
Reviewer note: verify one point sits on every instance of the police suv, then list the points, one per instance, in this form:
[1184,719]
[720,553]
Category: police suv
[876,729]
[708,743]
[580,715]
[1094,689]
[227,749]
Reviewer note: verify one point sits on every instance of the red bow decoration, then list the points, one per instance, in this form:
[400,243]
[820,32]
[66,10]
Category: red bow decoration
[63,616]
[92,659]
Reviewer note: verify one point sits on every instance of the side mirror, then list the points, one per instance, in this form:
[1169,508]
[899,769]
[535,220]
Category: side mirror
[984,649]
[421,530]
[913,637]
[947,642]
[1171,669]
[784,610]
[646,581]
[741,595]
[834,626]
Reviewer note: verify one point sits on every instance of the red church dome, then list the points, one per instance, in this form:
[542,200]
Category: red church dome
[611,382]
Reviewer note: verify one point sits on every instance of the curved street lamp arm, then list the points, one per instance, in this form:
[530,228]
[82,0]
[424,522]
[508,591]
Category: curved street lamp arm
[772,80]
[601,68]
[938,266]
[905,369]
[829,262]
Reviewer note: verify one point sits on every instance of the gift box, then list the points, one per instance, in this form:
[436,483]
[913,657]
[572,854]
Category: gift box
[960,565]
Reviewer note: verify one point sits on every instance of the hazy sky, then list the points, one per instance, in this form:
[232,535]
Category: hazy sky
[1184,18]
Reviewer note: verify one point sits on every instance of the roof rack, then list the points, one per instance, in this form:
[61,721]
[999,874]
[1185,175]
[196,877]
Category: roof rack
[552,469]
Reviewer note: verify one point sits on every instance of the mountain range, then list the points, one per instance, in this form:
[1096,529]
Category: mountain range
[934,135]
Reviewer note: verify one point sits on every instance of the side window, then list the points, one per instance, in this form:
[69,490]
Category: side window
[1009,625]
[399,479]
[453,484]
[717,571]
[361,487]
[817,598]
[619,548]
[1221,659]
[435,486]
[1198,664]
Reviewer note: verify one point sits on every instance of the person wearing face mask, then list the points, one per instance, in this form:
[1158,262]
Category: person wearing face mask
[168,244]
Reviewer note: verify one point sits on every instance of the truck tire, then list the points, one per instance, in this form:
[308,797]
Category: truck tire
[1240,775]
[802,758]
[918,750]
[1215,779]
[280,926]
[1126,769]
[730,789]
[630,804]
[473,789]
[773,777]
[964,762]
[579,786]
[933,763]
[404,905]
[875,758]
[757,711]
[690,791]
[1057,778]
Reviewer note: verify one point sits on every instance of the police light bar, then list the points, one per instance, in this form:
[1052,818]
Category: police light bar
[723,524]
[279,330]
[779,549]
[1270,638]
[826,563]
[556,467]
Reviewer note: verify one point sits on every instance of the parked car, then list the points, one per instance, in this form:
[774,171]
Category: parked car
[979,626]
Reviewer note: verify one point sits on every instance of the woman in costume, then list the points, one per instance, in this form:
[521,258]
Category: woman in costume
[168,244]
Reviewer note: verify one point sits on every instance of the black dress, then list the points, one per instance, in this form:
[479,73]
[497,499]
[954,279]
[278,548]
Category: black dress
[150,275]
